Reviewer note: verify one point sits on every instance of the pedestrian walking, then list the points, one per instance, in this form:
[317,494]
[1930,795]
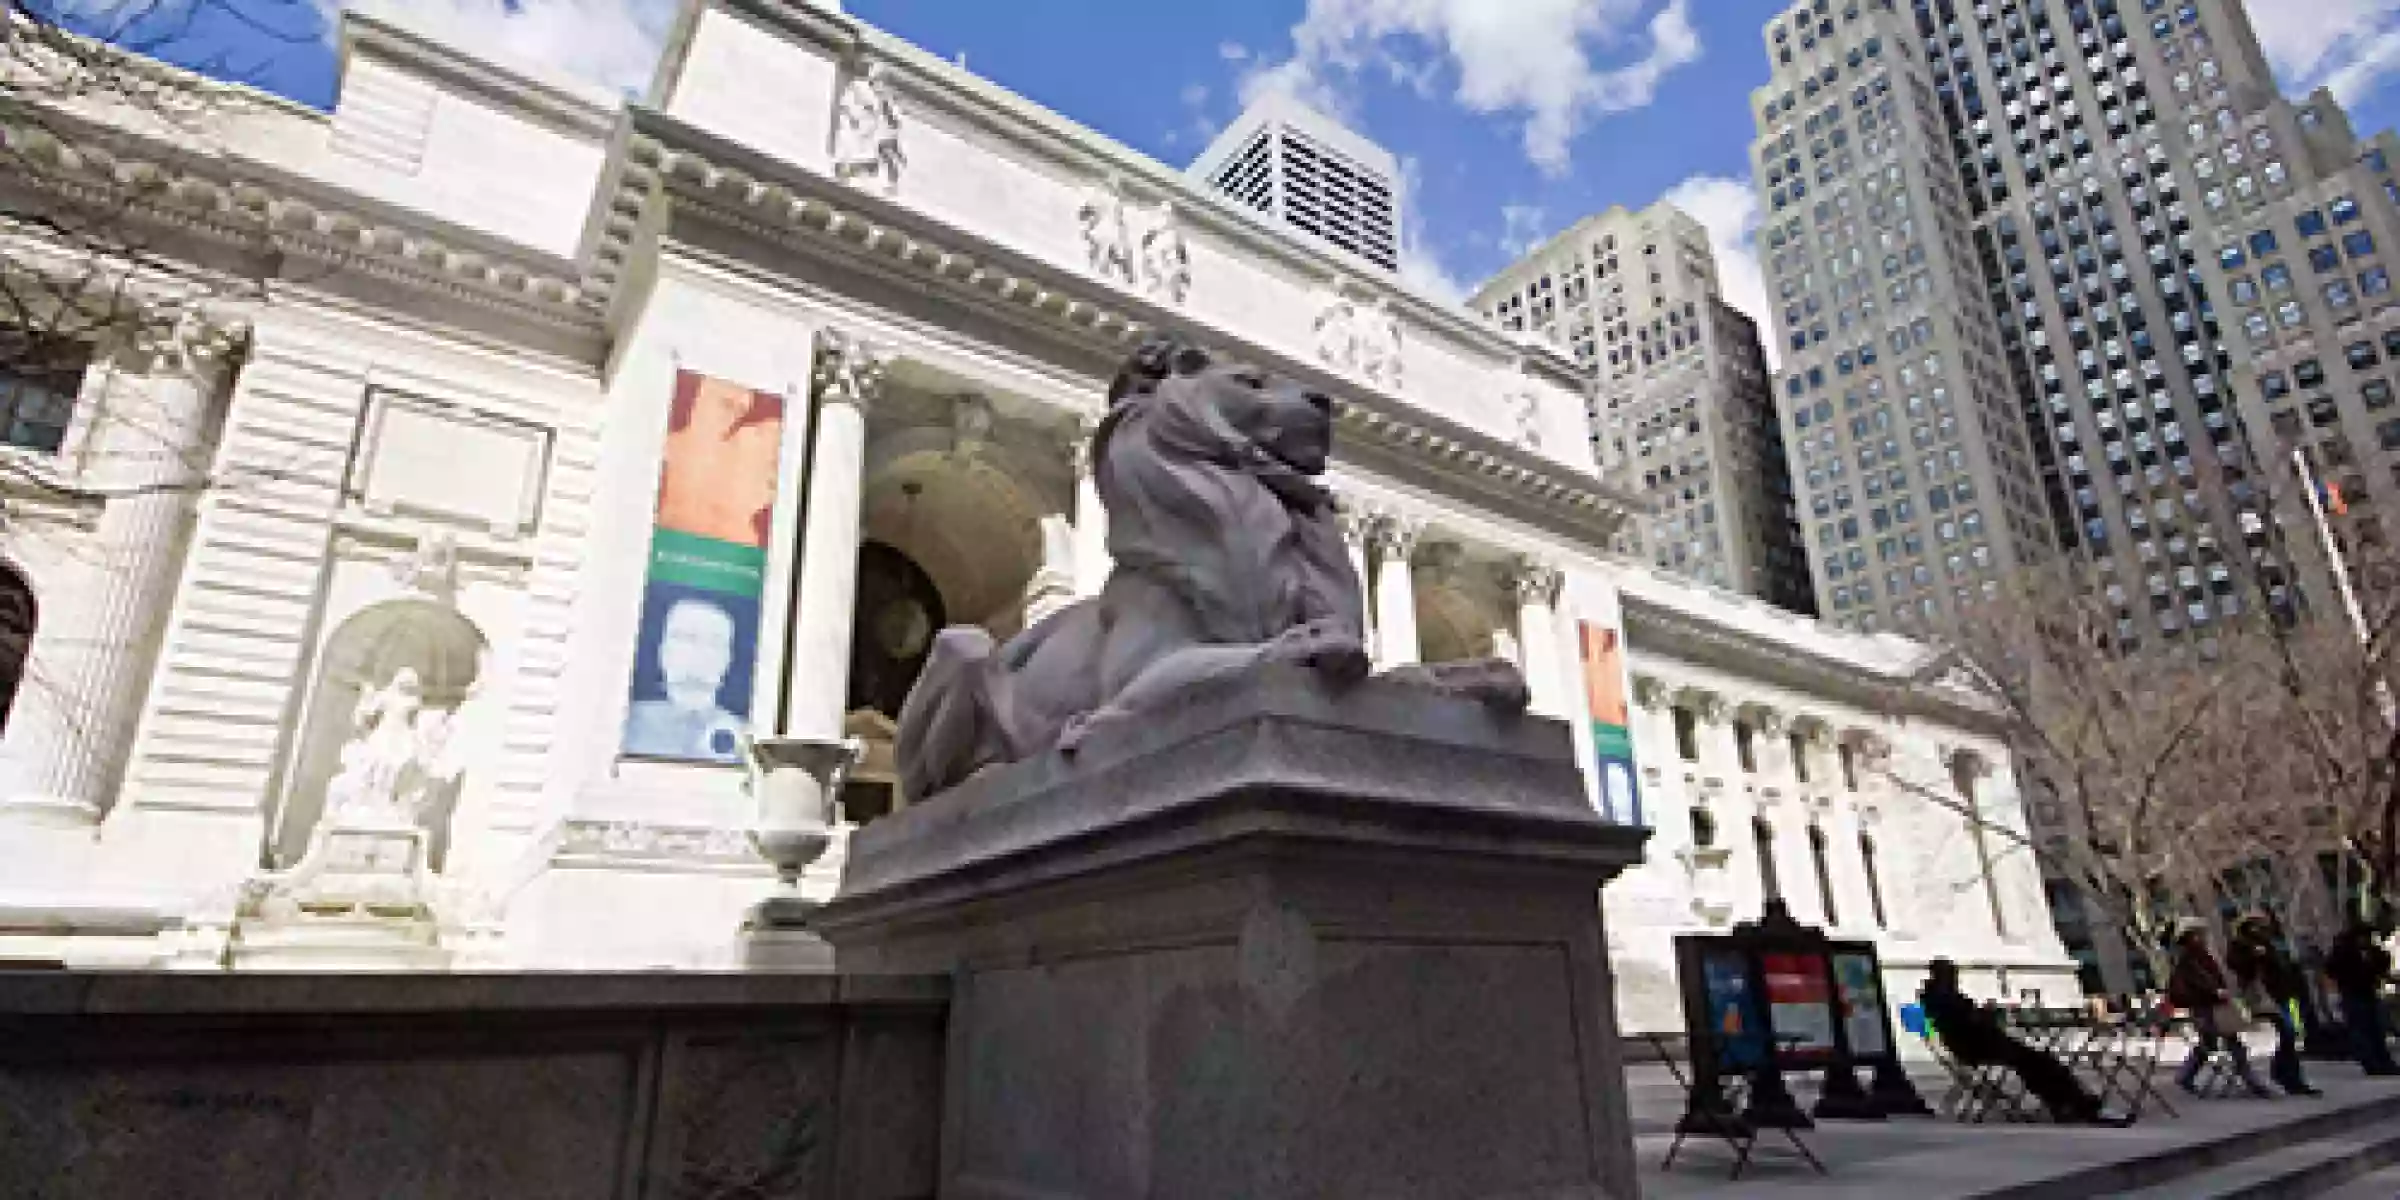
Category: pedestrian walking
[2358,965]
[2271,982]
[2200,984]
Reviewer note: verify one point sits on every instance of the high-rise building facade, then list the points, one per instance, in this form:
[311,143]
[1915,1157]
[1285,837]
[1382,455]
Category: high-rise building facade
[1918,487]
[2306,218]
[1305,170]
[1681,403]
[2171,259]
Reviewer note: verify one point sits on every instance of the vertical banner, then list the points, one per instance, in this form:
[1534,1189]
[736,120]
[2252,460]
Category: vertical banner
[1603,654]
[698,641]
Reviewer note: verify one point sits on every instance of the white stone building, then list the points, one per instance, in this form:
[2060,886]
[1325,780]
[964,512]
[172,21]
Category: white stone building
[420,550]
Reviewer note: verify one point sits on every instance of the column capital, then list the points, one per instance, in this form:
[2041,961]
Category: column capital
[1396,536]
[1358,522]
[1816,731]
[1649,692]
[1761,718]
[1535,582]
[849,369]
[1966,762]
[1873,751]
[1076,435]
[1708,706]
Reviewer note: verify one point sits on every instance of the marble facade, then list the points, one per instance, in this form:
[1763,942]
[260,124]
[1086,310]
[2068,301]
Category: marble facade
[436,443]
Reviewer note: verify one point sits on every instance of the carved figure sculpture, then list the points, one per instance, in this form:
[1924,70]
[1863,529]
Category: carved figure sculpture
[399,764]
[866,132]
[1166,257]
[1227,552]
[1107,240]
[1376,341]
[1527,409]
[1334,327]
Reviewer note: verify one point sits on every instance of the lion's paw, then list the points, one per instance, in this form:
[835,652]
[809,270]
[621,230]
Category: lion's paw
[1493,682]
[1330,648]
[1077,728]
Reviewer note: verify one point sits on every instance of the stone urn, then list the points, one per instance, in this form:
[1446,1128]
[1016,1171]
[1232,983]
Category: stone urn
[794,782]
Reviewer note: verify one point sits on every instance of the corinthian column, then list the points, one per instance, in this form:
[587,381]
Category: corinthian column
[1536,585]
[847,380]
[91,661]
[1358,530]
[1092,563]
[1396,591]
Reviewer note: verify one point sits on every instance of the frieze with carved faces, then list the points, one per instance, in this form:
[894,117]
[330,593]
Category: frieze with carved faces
[1137,246]
[1359,337]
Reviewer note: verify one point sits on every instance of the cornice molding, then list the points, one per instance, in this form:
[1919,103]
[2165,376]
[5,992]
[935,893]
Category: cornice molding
[713,180]
[251,207]
[46,57]
[959,95]
[1652,628]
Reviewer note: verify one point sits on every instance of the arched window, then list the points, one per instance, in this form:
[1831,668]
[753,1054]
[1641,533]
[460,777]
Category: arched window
[18,616]
[1816,850]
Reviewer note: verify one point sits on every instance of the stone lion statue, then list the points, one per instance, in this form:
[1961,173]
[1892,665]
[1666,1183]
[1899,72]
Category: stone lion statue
[1228,554]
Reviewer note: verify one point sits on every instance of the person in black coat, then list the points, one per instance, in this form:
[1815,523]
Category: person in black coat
[2358,967]
[1973,1036]
[2263,971]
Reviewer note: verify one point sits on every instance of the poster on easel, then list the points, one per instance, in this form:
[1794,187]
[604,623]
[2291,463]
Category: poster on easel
[1733,1012]
[1861,986]
[1800,999]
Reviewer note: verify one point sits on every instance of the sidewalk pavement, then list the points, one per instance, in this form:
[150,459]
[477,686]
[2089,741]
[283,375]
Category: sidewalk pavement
[1924,1158]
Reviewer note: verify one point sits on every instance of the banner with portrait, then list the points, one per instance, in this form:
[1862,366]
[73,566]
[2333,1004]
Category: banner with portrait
[1604,685]
[698,639]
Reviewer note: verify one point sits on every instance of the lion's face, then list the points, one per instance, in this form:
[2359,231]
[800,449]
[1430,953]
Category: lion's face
[1282,418]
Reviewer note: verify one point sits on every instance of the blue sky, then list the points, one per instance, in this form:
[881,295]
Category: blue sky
[1514,117]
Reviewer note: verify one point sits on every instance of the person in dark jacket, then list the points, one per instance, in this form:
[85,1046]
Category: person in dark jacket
[2268,975]
[2202,985]
[1973,1036]
[2358,966]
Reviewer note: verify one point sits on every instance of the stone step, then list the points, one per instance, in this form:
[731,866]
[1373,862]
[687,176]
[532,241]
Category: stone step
[2310,1168]
[2174,1172]
[2381,1185]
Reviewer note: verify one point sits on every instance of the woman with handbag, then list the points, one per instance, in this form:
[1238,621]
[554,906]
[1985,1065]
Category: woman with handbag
[2200,984]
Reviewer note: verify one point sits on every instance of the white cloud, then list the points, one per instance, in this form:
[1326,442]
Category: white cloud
[2347,45]
[1521,228]
[1421,266]
[1540,59]
[1729,208]
[613,43]
[1232,51]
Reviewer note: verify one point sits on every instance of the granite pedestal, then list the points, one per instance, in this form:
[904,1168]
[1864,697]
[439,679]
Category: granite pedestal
[1280,941]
